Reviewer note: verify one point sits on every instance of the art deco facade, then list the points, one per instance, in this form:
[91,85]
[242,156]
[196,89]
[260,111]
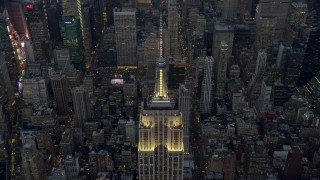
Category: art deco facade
[160,149]
[185,93]
[222,69]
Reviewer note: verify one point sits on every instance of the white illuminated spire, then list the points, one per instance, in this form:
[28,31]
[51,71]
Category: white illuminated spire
[160,95]
[161,36]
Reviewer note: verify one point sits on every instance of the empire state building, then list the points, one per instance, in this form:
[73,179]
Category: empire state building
[160,149]
[160,134]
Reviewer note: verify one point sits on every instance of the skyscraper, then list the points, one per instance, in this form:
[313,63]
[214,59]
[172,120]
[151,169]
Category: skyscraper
[221,51]
[71,35]
[71,8]
[35,91]
[173,29]
[222,32]
[17,18]
[33,165]
[60,92]
[6,46]
[185,93]
[62,57]
[221,73]
[81,10]
[53,21]
[274,9]
[160,149]
[81,105]
[126,36]
[207,85]
[260,68]
[35,14]
[266,34]
[6,88]
[311,64]
[86,30]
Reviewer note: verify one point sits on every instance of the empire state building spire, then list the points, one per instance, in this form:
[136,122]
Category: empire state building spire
[160,95]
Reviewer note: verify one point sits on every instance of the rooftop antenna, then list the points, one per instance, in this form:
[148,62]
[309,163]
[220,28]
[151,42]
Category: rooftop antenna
[161,36]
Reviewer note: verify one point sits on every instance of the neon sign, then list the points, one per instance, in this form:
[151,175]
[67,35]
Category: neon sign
[29,6]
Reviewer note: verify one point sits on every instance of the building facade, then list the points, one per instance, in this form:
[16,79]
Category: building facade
[60,92]
[160,149]
[72,39]
[184,105]
[81,105]
[207,85]
[126,36]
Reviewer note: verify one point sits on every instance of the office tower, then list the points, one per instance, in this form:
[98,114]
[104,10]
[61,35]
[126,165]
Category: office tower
[207,85]
[86,30]
[54,14]
[160,149]
[126,36]
[184,105]
[263,103]
[97,24]
[60,92]
[81,10]
[244,8]
[71,165]
[311,64]
[6,88]
[297,31]
[229,9]
[71,35]
[276,10]
[221,73]
[81,105]
[150,50]
[3,121]
[284,50]
[5,43]
[281,93]
[256,160]
[73,76]
[298,13]
[131,131]
[29,52]
[88,84]
[311,90]
[71,8]
[292,66]
[260,68]
[201,25]
[6,47]
[266,32]
[62,57]
[173,30]
[177,73]
[35,14]
[33,165]
[35,91]
[222,32]
[17,18]
[294,163]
